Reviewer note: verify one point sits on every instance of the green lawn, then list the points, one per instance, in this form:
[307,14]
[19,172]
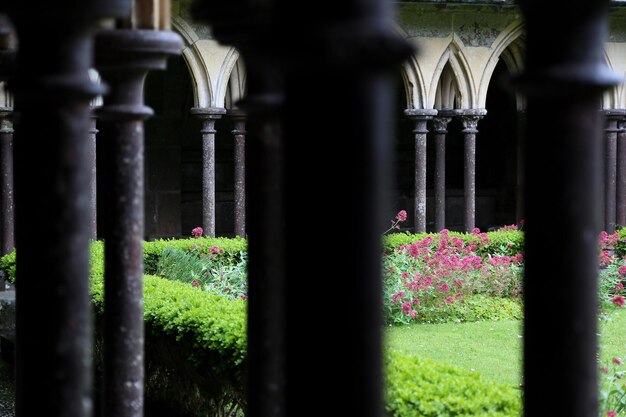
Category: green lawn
[491,348]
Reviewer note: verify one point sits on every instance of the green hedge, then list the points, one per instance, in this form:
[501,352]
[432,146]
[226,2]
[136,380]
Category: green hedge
[152,250]
[195,343]
[422,388]
[508,242]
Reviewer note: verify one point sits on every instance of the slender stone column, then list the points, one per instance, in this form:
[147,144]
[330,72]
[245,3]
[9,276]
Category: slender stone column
[521,167]
[564,79]
[610,177]
[620,215]
[6,182]
[208,117]
[440,128]
[239,135]
[123,58]
[52,90]
[420,118]
[93,201]
[470,118]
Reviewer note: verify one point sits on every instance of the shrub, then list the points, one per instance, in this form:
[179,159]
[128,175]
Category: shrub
[232,248]
[212,272]
[422,388]
[430,276]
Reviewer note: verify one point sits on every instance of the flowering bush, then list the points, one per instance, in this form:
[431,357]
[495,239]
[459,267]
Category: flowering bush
[429,276]
[612,272]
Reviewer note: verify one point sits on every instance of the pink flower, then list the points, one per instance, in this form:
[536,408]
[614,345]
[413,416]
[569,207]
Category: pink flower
[195,284]
[197,232]
[622,270]
[406,307]
[618,287]
[475,231]
[449,300]
[618,361]
[618,300]
[397,297]
[444,288]
[413,314]
[401,216]
[611,413]
[458,296]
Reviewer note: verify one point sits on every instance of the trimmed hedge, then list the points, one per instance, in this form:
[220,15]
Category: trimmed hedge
[422,388]
[505,242]
[195,344]
[152,250]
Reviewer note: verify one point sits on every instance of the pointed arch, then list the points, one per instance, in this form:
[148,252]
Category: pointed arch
[201,82]
[236,84]
[455,80]
[508,46]
[414,87]
[613,97]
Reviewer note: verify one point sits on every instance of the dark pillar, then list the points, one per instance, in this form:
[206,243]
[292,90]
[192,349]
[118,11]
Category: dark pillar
[440,128]
[564,79]
[6,182]
[208,117]
[356,54]
[248,29]
[52,92]
[470,118]
[123,58]
[620,215]
[420,118]
[610,163]
[239,135]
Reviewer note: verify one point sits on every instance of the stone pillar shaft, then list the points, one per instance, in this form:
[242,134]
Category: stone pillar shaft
[420,118]
[440,124]
[239,134]
[208,117]
[620,214]
[470,119]
[7,239]
[123,58]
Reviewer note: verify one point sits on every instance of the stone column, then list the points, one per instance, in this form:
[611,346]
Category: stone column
[470,118]
[239,135]
[620,215]
[52,90]
[208,117]
[610,164]
[440,128]
[6,182]
[521,166]
[124,57]
[420,117]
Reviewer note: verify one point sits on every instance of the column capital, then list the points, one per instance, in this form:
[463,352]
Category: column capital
[208,112]
[440,122]
[470,118]
[420,114]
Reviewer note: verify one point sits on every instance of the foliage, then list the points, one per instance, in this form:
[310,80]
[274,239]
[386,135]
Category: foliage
[423,388]
[7,265]
[612,389]
[233,248]
[431,276]
[210,271]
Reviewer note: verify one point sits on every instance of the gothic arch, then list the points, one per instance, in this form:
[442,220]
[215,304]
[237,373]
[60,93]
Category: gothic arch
[414,87]
[201,82]
[458,75]
[236,84]
[224,75]
[508,46]
[613,98]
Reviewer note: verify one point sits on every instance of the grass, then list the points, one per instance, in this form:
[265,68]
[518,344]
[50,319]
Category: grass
[492,348]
